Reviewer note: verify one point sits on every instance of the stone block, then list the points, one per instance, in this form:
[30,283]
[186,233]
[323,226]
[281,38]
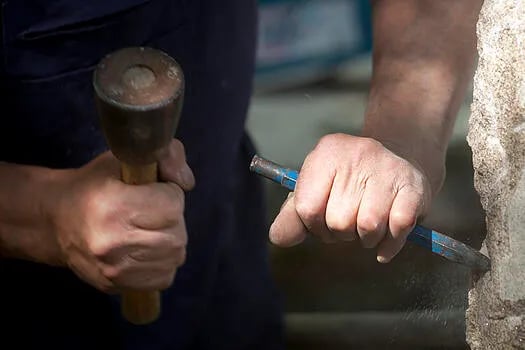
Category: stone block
[497,138]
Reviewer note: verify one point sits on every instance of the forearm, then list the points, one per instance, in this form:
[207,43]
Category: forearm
[26,229]
[424,54]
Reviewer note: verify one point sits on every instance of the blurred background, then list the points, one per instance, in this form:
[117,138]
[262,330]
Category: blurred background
[313,74]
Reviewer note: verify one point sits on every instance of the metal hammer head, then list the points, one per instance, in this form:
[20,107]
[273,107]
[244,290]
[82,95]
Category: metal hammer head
[139,95]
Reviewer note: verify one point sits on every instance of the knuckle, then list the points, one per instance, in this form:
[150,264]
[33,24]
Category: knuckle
[370,224]
[367,144]
[111,273]
[325,141]
[401,221]
[308,212]
[328,141]
[371,230]
[100,248]
[96,205]
[372,143]
[340,223]
[414,183]
[103,210]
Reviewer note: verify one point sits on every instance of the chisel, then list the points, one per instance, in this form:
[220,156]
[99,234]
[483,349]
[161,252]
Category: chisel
[434,241]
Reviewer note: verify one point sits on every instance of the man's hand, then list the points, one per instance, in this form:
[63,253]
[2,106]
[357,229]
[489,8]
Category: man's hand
[354,188]
[117,236]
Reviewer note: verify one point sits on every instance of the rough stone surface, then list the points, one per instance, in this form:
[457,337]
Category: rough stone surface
[496,312]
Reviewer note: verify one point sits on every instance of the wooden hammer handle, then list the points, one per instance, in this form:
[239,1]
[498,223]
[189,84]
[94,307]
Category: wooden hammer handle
[140,307]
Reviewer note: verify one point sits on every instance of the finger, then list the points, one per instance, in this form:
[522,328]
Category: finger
[92,274]
[311,197]
[142,246]
[288,229]
[373,215]
[147,260]
[165,246]
[406,208]
[156,206]
[173,166]
[150,275]
[342,207]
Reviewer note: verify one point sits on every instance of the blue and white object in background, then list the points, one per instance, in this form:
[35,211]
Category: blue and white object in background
[304,39]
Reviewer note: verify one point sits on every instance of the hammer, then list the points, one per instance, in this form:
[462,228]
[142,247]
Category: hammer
[139,93]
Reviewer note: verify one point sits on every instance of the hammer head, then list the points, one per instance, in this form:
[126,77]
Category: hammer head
[139,94]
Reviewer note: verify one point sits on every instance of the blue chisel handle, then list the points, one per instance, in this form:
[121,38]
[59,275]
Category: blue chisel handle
[434,241]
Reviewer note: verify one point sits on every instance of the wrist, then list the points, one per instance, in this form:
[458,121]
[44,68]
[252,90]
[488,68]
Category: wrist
[412,118]
[28,207]
[52,211]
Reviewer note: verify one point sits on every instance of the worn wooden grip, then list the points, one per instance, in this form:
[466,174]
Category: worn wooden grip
[139,174]
[140,307]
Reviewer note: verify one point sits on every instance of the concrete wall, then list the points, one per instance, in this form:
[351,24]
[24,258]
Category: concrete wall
[496,312]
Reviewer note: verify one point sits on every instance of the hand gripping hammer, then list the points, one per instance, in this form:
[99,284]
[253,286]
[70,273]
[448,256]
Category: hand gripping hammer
[139,93]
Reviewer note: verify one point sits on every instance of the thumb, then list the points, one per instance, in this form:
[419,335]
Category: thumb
[288,229]
[173,166]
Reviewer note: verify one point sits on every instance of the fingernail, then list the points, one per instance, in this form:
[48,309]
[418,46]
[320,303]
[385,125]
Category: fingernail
[382,259]
[271,234]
